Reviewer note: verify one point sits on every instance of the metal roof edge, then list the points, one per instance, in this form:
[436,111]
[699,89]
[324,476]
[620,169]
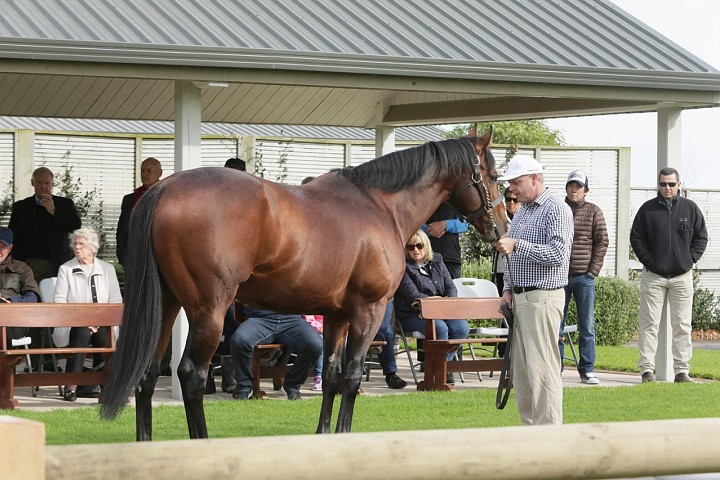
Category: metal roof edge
[200,56]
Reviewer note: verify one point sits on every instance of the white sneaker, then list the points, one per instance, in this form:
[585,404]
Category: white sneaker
[590,378]
[317,384]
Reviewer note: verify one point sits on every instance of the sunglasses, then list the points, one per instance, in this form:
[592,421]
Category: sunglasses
[667,184]
[511,200]
[413,246]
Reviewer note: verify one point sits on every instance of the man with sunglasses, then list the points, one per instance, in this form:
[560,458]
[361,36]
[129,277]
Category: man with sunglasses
[668,236]
[498,263]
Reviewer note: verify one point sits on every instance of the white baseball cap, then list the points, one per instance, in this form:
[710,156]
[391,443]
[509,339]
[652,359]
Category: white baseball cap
[521,165]
[578,177]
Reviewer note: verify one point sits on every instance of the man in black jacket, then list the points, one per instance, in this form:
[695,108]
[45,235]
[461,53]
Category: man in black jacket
[668,236]
[41,225]
[150,173]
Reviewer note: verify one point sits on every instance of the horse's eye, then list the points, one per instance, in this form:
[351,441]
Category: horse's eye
[493,178]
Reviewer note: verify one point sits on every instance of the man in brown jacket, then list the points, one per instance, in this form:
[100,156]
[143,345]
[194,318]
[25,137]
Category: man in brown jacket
[588,252]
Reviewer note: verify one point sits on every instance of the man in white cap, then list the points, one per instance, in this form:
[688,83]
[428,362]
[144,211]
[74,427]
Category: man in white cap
[590,243]
[537,248]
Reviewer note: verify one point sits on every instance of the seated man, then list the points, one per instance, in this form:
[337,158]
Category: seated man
[265,326]
[17,283]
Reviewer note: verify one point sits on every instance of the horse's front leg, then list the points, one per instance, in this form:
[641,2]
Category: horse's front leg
[333,344]
[362,331]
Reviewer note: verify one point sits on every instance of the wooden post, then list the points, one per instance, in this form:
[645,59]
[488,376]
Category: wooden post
[603,450]
[23,448]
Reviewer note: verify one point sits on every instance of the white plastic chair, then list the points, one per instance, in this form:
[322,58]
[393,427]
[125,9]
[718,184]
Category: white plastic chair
[480,288]
[47,289]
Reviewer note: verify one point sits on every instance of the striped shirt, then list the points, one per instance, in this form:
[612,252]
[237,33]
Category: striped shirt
[544,233]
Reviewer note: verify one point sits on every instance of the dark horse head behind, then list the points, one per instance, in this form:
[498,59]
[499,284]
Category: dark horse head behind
[334,246]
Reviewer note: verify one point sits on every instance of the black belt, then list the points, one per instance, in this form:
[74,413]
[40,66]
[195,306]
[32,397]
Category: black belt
[524,289]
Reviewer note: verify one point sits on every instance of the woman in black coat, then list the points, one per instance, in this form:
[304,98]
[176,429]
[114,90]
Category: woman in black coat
[426,276]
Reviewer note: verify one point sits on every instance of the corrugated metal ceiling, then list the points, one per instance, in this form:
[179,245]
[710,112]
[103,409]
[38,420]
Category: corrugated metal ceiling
[425,133]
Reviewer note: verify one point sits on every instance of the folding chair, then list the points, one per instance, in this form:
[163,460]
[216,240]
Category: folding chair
[406,349]
[567,333]
[480,288]
[24,342]
[47,295]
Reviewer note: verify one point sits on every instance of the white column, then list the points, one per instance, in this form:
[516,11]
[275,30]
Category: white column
[187,156]
[384,134]
[24,164]
[669,130]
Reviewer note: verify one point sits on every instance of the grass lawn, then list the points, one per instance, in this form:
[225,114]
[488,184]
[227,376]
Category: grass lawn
[418,411]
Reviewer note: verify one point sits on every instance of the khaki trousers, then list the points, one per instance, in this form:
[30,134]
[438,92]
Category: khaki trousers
[654,289]
[535,356]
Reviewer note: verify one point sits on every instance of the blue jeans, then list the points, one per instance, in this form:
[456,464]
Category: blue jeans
[444,329]
[297,334]
[582,287]
[387,355]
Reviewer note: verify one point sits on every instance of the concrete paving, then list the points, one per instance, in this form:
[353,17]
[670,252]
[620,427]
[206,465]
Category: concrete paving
[48,397]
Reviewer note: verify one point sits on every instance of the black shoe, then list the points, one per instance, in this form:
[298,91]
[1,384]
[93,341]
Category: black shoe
[450,379]
[683,377]
[88,391]
[293,394]
[395,382]
[648,377]
[70,395]
[242,394]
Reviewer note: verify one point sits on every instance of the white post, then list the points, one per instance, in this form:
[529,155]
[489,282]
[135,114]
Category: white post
[384,134]
[187,156]
[669,130]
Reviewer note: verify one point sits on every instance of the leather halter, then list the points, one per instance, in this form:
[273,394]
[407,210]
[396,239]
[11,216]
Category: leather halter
[475,181]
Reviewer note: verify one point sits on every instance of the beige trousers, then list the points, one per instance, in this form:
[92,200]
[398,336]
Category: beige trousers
[654,289]
[535,356]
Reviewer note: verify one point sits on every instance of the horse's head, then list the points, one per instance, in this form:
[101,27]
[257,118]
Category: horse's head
[483,204]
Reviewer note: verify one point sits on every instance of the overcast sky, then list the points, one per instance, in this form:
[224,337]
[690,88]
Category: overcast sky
[695,26]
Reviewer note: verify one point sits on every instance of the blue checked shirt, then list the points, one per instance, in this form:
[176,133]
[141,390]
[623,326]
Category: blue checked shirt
[544,233]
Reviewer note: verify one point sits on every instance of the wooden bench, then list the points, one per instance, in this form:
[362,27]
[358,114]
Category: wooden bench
[276,372]
[436,364]
[44,315]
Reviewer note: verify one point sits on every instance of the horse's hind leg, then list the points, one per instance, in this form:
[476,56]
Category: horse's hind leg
[202,342]
[333,345]
[145,390]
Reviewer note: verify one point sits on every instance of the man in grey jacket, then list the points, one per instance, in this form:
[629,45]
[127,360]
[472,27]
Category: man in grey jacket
[590,243]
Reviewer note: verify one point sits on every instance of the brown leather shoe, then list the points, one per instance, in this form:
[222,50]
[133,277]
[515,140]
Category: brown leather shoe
[648,377]
[683,377]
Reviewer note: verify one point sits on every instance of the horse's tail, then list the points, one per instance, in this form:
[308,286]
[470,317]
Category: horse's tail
[143,307]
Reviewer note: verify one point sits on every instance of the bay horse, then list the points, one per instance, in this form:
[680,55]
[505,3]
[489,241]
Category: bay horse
[335,246]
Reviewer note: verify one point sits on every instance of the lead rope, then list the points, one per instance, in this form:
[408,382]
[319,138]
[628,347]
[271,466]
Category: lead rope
[505,380]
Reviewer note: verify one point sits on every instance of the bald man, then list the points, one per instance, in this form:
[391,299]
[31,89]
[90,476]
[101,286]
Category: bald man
[150,173]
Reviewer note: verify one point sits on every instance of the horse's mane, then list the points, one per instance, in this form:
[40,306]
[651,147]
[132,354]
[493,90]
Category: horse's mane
[403,168]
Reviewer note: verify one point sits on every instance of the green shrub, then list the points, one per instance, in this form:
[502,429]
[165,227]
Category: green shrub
[617,303]
[705,311]
[480,268]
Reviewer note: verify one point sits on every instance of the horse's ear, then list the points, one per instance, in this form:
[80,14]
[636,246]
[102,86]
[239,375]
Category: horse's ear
[486,139]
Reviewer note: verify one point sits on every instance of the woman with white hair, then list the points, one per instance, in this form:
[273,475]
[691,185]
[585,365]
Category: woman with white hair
[84,279]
